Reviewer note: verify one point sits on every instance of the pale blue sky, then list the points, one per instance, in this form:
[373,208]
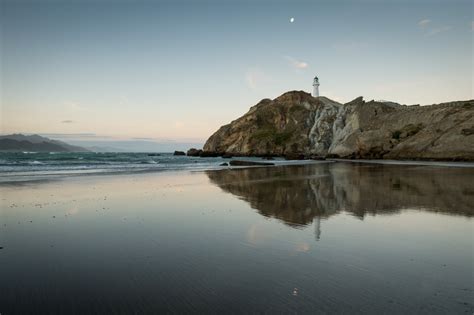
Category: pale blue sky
[179,70]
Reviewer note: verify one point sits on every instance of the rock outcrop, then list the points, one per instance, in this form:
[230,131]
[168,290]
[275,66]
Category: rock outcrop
[298,124]
[194,152]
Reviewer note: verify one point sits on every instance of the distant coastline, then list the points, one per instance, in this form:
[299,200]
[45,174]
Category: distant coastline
[35,143]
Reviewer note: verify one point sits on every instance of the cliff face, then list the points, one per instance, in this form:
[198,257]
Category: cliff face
[297,123]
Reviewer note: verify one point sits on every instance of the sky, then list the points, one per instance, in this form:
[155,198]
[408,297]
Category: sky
[178,70]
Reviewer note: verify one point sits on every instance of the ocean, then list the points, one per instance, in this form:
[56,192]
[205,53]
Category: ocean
[25,166]
[59,163]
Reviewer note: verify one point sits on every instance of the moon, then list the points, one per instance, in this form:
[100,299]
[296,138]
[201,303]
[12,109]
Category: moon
[292,20]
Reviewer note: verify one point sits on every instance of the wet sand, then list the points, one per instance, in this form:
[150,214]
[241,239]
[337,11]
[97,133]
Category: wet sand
[329,237]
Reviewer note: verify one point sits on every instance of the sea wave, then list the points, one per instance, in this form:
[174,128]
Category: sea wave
[19,165]
[35,163]
[27,166]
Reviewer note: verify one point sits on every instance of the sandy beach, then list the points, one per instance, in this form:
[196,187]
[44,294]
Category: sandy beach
[295,238]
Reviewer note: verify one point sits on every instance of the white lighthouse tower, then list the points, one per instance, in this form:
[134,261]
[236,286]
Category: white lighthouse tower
[315,87]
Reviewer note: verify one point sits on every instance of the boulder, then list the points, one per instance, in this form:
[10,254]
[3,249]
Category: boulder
[249,163]
[209,154]
[294,156]
[179,153]
[194,152]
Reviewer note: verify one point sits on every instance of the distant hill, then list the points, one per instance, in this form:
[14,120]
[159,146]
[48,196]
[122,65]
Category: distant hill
[35,143]
[297,124]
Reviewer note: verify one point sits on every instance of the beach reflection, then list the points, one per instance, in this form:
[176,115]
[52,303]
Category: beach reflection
[297,195]
[192,242]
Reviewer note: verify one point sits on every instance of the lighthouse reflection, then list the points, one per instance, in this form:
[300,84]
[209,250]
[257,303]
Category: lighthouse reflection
[303,195]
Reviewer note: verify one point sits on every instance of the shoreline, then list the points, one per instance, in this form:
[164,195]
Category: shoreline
[30,178]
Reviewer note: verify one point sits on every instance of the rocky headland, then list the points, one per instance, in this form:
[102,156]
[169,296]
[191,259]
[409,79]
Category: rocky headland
[297,125]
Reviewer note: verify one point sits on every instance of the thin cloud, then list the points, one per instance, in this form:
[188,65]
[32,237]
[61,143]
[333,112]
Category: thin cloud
[472,26]
[67,121]
[254,77]
[143,139]
[250,79]
[298,64]
[438,30]
[178,124]
[424,23]
[349,46]
[73,106]
[427,27]
[69,134]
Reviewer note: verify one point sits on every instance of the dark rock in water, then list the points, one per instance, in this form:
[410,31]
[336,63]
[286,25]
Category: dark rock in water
[1,247]
[209,154]
[179,153]
[223,164]
[227,156]
[294,156]
[194,152]
[154,154]
[248,163]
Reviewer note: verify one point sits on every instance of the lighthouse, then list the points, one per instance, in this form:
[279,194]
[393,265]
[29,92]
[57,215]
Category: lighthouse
[315,87]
